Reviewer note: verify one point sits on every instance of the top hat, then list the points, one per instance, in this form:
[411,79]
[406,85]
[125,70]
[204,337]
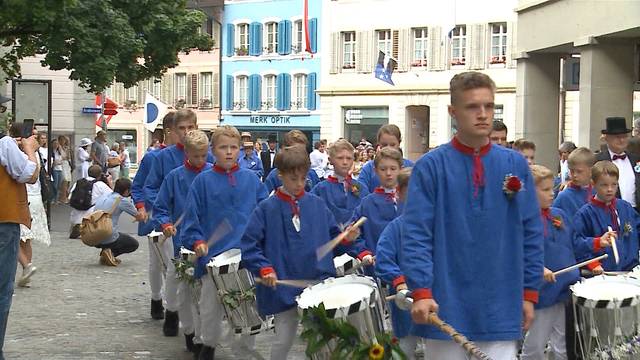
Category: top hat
[245,134]
[616,125]
[272,138]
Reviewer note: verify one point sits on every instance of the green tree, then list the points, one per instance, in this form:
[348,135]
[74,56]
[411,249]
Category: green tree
[100,40]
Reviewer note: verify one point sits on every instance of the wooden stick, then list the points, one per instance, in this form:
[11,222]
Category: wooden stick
[579,265]
[323,250]
[616,257]
[293,283]
[468,345]
[164,238]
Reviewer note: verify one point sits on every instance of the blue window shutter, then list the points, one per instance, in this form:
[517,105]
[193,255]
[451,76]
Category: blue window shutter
[286,93]
[231,40]
[311,91]
[281,37]
[258,38]
[254,92]
[287,37]
[313,35]
[229,89]
[279,90]
[252,39]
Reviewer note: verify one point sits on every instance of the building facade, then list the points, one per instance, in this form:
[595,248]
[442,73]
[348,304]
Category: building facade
[355,103]
[270,75]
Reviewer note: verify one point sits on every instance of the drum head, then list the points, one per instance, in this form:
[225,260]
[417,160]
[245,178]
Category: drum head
[341,296]
[231,256]
[607,292]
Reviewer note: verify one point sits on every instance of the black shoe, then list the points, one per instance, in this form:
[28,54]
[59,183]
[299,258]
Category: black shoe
[170,327]
[188,340]
[207,353]
[196,351]
[157,310]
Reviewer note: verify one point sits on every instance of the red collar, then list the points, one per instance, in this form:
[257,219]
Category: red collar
[602,204]
[190,167]
[291,200]
[469,150]
[162,146]
[390,196]
[180,146]
[335,180]
[546,213]
[220,170]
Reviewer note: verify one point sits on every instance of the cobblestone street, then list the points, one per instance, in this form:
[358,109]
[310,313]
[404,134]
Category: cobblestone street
[78,309]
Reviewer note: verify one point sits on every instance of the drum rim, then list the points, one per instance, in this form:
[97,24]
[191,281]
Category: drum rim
[605,303]
[349,309]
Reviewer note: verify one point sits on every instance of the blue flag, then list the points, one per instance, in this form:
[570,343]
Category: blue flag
[384,67]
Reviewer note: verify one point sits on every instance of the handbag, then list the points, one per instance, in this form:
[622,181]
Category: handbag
[46,184]
[113,162]
[98,226]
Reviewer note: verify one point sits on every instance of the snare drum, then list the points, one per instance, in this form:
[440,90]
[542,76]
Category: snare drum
[236,292]
[188,255]
[154,236]
[345,264]
[607,310]
[353,298]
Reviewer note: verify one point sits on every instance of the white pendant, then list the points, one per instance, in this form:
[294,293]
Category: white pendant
[296,222]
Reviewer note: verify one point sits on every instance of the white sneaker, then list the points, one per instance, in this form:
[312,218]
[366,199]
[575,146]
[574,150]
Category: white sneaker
[27,273]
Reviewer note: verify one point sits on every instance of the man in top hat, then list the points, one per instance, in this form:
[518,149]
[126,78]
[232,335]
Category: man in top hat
[268,156]
[616,136]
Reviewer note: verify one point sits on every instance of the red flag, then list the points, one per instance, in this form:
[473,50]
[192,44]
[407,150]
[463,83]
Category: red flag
[98,104]
[305,25]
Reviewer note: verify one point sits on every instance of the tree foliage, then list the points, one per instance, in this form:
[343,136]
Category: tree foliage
[100,40]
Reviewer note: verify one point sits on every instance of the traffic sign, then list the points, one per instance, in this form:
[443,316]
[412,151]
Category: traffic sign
[110,108]
[91,110]
[110,112]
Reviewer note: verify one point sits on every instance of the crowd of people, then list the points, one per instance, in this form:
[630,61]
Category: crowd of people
[477,241]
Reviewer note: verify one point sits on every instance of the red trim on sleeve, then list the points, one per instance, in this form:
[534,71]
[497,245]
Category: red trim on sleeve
[596,244]
[398,280]
[165,226]
[266,271]
[593,265]
[421,294]
[140,205]
[531,295]
[363,254]
[345,242]
[198,243]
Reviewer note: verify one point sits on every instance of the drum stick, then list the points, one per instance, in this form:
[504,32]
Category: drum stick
[358,266]
[323,250]
[223,229]
[468,345]
[614,247]
[174,226]
[293,283]
[579,265]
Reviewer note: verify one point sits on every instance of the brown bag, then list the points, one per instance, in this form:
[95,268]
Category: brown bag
[98,226]
[113,162]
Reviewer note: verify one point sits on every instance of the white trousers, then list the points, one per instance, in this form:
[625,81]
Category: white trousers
[171,284]
[408,346]
[211,312]
[156,269]
[548,325]
[449,350]
[286,326]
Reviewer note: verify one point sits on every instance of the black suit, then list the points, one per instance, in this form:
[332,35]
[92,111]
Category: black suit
[265,156]
[604,155]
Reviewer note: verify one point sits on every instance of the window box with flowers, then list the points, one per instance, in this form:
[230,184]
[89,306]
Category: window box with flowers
[179,103]
[419,63]
[458,62]
[205,103]
[498,60]
[242,51]
[348,66]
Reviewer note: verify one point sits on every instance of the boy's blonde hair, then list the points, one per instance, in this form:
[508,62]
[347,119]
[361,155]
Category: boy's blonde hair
[390,129]
[185,115]
[403,177]
[292,159]
[540,173]
[581,156]
[294,137]
[388,153]
[225,130]
[604,167]
[340,145]
[196,140]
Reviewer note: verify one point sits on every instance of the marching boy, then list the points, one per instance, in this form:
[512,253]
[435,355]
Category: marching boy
[167,211]
[226,194]
[579,190]
[272,181]
[281,241]
[603,211]
[559,252]
[388,270]
[340,192]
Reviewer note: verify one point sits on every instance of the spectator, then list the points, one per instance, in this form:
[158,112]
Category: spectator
[248,159]
[157,139]
[114,161]
[118,243]
[527,149]
[565,149]
[319,159]
[498,133]
[633,147]
[43,149]
[56,158]
[99,187]
[83,159]
[126,160]
[268,156]
[100,150]
[66,160]
[19,165]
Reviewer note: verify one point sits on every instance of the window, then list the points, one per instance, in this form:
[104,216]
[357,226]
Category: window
[154,87]
[242,39]
[498,43]
[269,93]
[349,50]
[299,98]
[271,38]
[383,38]
[206,90]
[498,112]
[419,47]
[181,88]
[240,101]
[458,45]
[297,37]
[132,94]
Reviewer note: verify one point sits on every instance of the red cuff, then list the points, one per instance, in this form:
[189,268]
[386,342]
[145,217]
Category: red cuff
[345,242]
[398,280]
[266,271]
[140,205]
[596,244]
[363,254]
[164,226]
[198,243]
[531,295]
[421,294]
[593,265]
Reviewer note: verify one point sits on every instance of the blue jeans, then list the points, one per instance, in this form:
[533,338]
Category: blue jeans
[57,182]
[9,240]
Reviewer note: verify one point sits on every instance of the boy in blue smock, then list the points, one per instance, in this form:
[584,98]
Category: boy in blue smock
[281,241]
[168,213]
[604,210]
[579,190]
[220,198]
[340,191]
[293,137]
[388,262]
[560,251]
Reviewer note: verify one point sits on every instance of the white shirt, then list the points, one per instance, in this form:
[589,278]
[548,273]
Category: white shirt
[319,162]
[627,180]
[99,189]
[15,162]
[127,159]
[272,155]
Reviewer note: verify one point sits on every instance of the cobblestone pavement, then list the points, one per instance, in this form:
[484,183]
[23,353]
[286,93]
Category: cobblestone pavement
[78,309]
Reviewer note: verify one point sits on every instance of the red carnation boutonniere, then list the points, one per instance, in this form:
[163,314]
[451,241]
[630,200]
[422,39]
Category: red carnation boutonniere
[511,186]
[355,189]
[557,222]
